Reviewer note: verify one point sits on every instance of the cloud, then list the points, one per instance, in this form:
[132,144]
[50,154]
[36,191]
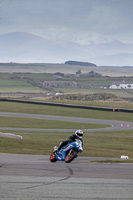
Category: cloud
[69,18]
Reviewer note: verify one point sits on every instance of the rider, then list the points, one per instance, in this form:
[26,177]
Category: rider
[78,135]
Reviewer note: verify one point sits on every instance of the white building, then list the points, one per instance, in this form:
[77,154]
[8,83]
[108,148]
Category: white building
[126,86]
[122,86]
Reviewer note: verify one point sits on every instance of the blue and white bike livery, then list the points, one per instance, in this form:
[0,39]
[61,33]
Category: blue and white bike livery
[68,152]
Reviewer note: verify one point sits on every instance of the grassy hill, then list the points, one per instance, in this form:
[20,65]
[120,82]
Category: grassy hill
[64,68]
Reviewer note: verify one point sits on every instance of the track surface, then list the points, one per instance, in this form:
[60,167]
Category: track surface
[115,125]
[24,177]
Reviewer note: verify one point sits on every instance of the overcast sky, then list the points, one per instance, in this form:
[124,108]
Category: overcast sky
[80,21]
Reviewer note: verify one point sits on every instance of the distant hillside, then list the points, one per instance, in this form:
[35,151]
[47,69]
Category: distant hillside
[80,63]
[22,47]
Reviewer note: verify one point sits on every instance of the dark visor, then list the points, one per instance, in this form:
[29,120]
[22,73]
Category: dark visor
[80,134]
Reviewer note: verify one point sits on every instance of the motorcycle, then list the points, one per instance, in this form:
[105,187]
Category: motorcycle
[68,152]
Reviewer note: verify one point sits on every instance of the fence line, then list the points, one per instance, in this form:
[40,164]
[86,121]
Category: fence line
[68,105]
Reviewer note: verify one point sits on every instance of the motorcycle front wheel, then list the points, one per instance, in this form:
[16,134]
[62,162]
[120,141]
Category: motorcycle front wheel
[70,156]
[53,157]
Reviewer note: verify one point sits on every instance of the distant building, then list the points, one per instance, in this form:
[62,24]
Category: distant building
[58,74]
[58,84]
[94,74]
[122,85]
[78,72]
[58,93]
[91,74]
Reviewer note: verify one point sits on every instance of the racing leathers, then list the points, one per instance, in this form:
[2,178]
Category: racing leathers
[71,138]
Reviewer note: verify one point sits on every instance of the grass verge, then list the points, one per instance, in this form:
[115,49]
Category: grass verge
[63,111]
[18,122]
[97,144]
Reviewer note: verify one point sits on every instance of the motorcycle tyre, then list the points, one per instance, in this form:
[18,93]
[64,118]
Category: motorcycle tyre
[72,157]
[53,159]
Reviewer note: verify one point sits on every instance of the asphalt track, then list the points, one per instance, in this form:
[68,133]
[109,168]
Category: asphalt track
[114,125]
[25,177]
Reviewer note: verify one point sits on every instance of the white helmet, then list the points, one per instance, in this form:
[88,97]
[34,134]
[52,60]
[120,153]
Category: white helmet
[79,133]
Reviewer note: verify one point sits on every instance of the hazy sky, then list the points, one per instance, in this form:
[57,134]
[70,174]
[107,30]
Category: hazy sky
[80,21]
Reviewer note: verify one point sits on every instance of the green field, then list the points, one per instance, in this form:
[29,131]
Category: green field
[22,89]
[111,144]
[16,85]
[18,122]
[33,83]
[63,111]
[96,103]
[118,93]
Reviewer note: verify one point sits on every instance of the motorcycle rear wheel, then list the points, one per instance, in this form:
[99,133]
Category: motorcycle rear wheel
[71,156]
[53,157]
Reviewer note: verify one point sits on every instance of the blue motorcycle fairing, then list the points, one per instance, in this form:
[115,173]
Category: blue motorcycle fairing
[63,151]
